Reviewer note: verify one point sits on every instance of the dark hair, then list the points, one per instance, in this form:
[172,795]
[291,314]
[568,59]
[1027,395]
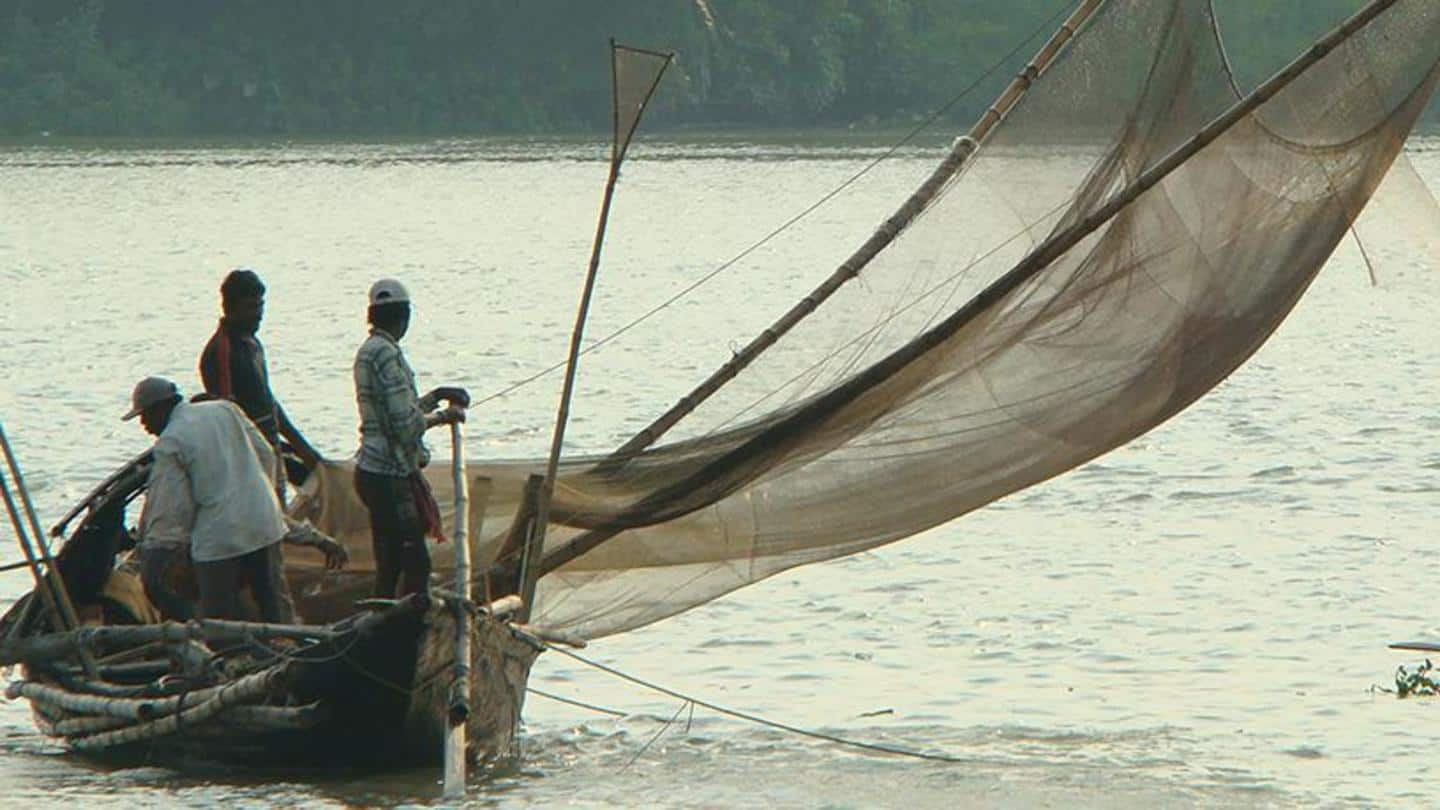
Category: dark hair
[388,315]
[239,284]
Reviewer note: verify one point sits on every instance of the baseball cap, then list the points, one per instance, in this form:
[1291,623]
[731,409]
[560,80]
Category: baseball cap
[388,291]
[150,392]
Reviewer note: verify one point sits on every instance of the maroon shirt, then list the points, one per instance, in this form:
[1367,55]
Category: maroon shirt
[233,366]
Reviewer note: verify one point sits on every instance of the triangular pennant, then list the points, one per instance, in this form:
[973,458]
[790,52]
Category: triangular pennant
[637,73]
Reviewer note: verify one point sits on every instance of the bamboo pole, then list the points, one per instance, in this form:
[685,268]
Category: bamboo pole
[50,579]
[458,708]
[620,142]
[503,576]
[530,558]
[960,153]
[249,688]
[136,709]
[62,596]
[243,718]
[22,535]
[79,725]
[1037,260]
[50,646]
[512,566]
[273,718]
[235,719]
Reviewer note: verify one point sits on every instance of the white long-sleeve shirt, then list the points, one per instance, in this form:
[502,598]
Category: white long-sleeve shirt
[212,485]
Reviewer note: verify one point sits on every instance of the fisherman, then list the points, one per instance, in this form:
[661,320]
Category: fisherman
[233,365]
[393,420]
[211,492]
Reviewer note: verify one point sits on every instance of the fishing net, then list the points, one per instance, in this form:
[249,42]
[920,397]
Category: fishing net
[926,391]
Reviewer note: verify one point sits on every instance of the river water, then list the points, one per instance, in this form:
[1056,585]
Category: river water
[1199,619]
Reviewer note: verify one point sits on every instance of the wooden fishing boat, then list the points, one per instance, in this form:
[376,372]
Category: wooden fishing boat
[380,687]
[1141,274]
[372,690]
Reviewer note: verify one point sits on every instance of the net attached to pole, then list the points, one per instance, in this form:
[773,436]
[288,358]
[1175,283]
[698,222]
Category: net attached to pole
[883,415]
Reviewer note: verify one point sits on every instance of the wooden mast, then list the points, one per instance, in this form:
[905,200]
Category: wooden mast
[624,122]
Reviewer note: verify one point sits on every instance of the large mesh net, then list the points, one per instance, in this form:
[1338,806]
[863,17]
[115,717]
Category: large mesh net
[905,401]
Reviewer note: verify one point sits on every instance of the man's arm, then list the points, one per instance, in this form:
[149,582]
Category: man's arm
[215,378]
[262,449]
[301,533]
[303,448]
[169,513]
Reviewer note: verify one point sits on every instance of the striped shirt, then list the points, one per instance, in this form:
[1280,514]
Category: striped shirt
[392,421]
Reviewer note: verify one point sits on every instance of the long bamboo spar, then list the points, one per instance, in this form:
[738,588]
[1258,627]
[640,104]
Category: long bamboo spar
[457,710]
[32,560]
[51,580]
[960,153]
[1040,258]
[620,142]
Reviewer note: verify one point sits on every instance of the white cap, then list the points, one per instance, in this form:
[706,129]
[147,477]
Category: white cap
[388,291]
[150,392]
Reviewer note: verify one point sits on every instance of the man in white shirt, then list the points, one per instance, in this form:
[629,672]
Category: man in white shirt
[212,489]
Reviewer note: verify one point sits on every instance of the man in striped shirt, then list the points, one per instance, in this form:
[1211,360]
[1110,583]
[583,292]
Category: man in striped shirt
[393,421]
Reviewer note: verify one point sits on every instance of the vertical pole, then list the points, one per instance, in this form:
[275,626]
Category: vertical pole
[458,707]
[42,584]
[49,581]
[619,144]
[552,464]
[533,538]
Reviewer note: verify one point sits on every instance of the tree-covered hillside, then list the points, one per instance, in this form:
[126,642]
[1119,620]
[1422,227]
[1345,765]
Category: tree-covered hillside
[317,67]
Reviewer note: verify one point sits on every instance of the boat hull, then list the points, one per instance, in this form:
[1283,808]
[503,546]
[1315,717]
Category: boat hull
[377,697]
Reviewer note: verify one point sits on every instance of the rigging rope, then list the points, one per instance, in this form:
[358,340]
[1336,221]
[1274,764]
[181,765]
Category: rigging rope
[753,718]
[663,728]
[573,702]
[1043,28]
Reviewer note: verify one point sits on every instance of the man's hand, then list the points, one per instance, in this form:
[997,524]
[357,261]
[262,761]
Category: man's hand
[336,557]
[452,395]
[301,533]
[450,415]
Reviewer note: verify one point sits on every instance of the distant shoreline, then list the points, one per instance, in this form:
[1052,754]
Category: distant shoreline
[868,137]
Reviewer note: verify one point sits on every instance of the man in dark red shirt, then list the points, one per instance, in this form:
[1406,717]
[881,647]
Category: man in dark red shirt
[233,363]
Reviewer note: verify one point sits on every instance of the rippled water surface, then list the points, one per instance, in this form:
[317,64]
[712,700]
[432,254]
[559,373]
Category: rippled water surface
[1197,619]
